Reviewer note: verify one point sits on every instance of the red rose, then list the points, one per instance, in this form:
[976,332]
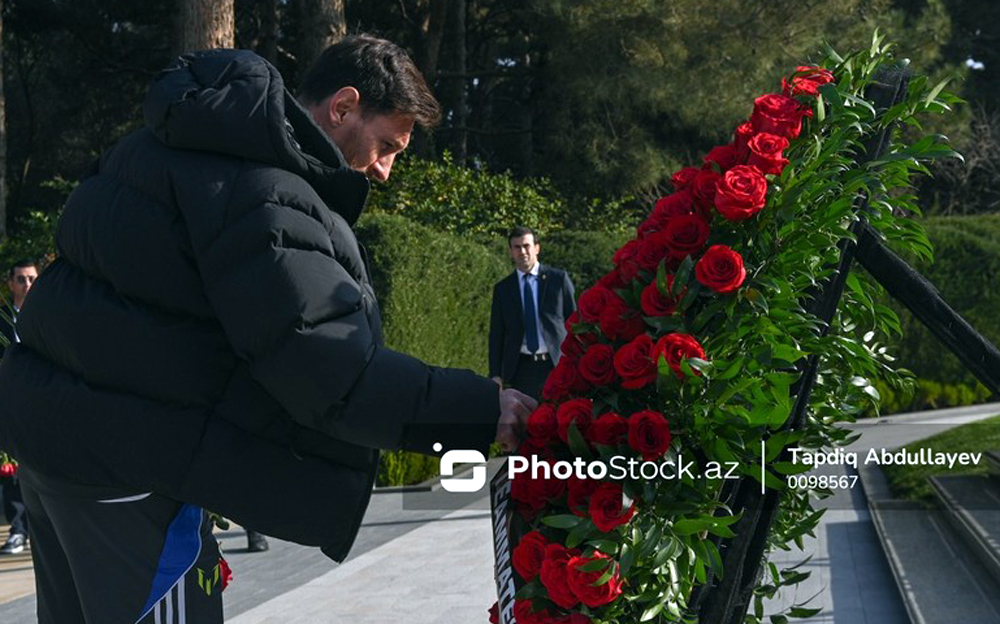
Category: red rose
[598,364]
[634,364]
[675,348]
[618,278]
[609,429]
[8,469]
[553,575]
[685,235]
[543,489]
[534,446]
[741,138]
[620,322]
[649,434]
[652,250]
[625,260]
[778,114]
[533,494]
[524,613]
[574,618]
[495,613]
[806,81]
[720,269]
[703,188]
[655,303]
[584,584]
[578,411]
[741,193]
[668,207]
[674,205]
[683,178]
[571,346]
[562,380]
[521,491]
[607,509]
[528,555]
[571,320]
[542,424]
[766,153]
[592,303]
[725,156]
[578,493]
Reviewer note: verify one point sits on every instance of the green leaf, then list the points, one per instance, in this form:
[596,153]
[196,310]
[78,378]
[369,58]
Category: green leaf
[627,559]
[790,468]
[577,444]
[732,370]
[802,612]
[661,278]
[595,565]
[938,88]
[682,275]
[651,612]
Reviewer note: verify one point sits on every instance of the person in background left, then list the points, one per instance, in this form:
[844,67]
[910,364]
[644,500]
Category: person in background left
[528,317]
[20,279]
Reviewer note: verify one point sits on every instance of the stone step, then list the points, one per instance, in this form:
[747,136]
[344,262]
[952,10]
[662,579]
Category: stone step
[940,579]
[972,504]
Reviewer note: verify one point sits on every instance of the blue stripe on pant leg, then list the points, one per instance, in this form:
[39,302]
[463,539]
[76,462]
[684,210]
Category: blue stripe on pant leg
[180,551]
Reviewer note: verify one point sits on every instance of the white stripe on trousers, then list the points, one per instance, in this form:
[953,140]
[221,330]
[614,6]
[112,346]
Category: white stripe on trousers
[166,606]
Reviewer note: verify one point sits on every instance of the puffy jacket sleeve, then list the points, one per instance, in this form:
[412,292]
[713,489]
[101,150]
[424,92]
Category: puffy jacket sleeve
[288,305]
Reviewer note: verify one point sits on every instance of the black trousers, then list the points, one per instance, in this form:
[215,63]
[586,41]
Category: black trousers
[13,506]
[101,558]
[530,375]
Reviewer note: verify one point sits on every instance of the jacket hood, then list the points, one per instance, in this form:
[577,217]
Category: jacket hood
[234,102]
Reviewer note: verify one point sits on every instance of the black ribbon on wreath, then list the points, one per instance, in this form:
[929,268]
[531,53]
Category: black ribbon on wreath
[727,600]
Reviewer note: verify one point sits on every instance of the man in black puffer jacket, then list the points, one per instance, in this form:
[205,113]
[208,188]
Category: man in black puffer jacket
[209,338]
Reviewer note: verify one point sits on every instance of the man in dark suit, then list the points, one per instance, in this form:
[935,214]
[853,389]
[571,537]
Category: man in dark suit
[528,318]
[20,279]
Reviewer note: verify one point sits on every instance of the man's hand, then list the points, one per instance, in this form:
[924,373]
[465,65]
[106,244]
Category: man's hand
[515,407]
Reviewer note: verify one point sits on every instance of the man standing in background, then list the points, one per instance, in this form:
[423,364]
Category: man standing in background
[20,279]
[528,317]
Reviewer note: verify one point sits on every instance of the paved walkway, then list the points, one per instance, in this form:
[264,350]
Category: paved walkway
[420,563]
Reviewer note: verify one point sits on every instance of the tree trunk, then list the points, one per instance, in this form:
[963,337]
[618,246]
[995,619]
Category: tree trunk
[206,24]
[323,25]
[431,32]
[3,139]
[461,85]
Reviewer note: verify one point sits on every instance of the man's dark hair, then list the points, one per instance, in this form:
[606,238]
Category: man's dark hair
[520,231]
[21,264]
[380,70]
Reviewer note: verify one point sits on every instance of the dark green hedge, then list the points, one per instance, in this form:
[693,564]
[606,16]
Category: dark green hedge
[433,289]
[485,204]
[966,270]
[585,255]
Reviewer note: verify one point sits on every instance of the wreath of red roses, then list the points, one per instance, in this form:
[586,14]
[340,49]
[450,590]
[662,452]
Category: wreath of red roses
[622,343]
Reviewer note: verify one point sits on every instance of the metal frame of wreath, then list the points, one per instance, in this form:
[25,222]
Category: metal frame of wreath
[727,600]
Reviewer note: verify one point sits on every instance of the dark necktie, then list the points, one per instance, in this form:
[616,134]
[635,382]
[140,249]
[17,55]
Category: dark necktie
[530,326]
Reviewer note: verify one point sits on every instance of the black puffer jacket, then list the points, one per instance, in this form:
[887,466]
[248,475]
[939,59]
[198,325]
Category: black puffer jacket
[209,332]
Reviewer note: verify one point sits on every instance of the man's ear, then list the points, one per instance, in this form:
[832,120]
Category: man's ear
[344,102]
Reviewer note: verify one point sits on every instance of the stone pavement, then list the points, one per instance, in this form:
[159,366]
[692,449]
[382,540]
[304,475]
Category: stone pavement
[418,562]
